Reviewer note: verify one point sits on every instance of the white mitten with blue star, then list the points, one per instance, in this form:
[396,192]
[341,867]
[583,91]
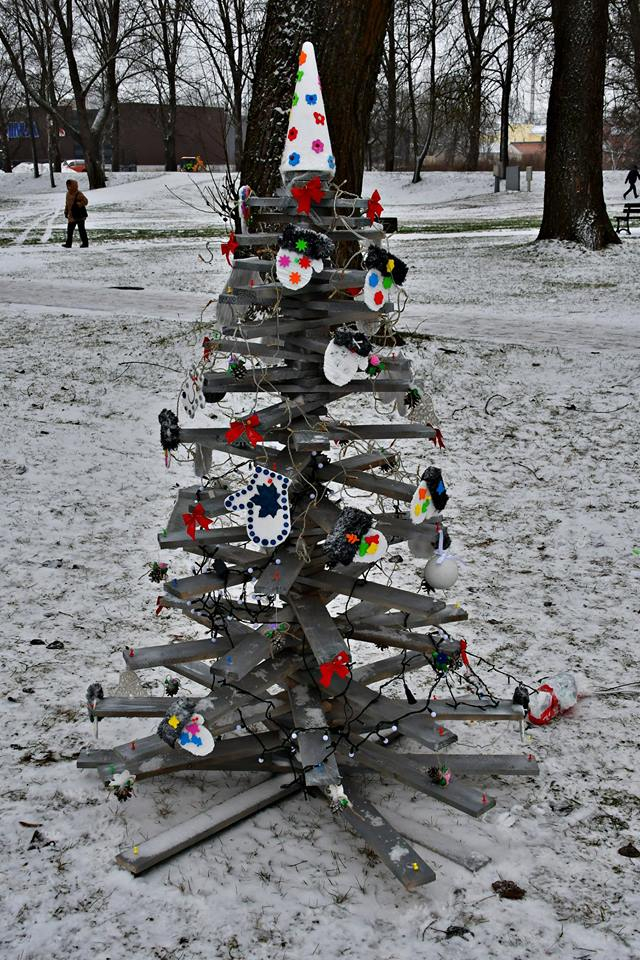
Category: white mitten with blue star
[266,501]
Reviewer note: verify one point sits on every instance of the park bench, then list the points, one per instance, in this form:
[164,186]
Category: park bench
[631,211]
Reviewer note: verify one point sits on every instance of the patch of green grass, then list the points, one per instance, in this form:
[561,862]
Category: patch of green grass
[471,226]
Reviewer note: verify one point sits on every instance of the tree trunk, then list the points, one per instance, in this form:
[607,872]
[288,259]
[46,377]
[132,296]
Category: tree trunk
[4,140]
[419,158]
[115,135]
[507,82]
[92,160]
[475,117]
[392,98]
[348,36]
[574,207]
[633,7]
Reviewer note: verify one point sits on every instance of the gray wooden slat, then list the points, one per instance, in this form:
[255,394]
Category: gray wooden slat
[451,848]
[278,578]
[243,657]
[166,654]
[389,667]
[271,239]
[404,639]
[377,593]
[89,758]
[204,538]
[227,754]
[196,672]
[212,821]
[469,764]
[462,797]
[318,626]
[385,486]
[133,706]
[309,439]
[378,834]
[186,588]
[315,754]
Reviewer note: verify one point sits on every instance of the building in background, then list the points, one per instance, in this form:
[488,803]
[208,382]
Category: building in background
[200,131]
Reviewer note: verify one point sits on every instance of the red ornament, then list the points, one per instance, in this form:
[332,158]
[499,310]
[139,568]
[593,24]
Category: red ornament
[374,207]
[319,118]
[230,246]
[207,347]
[438,439]
[339,665]
[293,133]
[463,653]
[353,291]
[311,192]
[196,518]
[238,427]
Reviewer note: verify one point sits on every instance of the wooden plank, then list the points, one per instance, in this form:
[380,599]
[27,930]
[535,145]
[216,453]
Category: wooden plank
[389,667]
[378,834]
[308,439]
[232,753]
[271,239]
[166,654]
[469,764]
[90,758]
[405,639]
[376,593]
[473,802]
[315,751]
[238,661]
[183,835]
[361,461]
[318,626]
[204,538]
[384,486]
[133,706]
[278,578]
[186,588]
[450,848]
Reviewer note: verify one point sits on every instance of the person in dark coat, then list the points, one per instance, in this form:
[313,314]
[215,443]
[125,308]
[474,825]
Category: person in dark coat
[632,178]
[75,210]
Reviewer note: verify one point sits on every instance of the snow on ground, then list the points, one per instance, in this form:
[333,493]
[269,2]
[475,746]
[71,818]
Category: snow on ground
[532,355]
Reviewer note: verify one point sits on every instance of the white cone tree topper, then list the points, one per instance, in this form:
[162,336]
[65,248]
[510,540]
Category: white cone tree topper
[307,149]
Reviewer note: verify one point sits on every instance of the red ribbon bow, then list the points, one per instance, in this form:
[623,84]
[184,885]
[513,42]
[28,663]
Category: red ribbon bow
[238,427]
[463,653]
[438,439]
[339,665]
[196,517]
[230,246]
[207,347]
[374,207]
[311,192]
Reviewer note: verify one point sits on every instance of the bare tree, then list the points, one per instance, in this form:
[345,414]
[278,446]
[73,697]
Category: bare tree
[477,18]
[9,101]
[229,30]
[390,73]
[574,207]
[163,54]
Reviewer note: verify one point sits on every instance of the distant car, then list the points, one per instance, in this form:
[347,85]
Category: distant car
[78,166]
[192,164]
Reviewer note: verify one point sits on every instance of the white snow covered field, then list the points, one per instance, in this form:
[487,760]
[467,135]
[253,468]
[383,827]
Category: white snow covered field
[532,355]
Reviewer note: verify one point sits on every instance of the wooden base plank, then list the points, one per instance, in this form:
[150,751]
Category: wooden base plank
[469,764]
[183,835]
[166,654]
[378,834]
[313,742]
[318,626]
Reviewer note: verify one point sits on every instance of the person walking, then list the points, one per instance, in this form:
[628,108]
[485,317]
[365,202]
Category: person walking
[75,210]
[632,178]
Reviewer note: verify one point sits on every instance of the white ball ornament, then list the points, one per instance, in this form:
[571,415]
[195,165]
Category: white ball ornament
[441,573]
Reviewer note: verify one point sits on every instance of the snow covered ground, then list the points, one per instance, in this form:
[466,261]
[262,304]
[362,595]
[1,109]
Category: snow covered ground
[532,356]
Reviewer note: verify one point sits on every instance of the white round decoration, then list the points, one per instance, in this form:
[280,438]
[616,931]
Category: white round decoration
[191,392]
[441,572]
[421,506]
[294,270]
[341,364]
[375,292]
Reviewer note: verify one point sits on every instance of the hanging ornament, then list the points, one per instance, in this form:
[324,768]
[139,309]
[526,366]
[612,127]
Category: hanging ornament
[375,366]
[440,775]
[169,432]
[384,272]
[229,247]
[121,785]
[171,686]
[196,517]
[157,571]
[338,667]
[243,207]
[238,428]
[311,192]
[195,738]
[95,693]
[237,367]
[338,800]
[300,253]
[173,729]
[412,398]
[354,540]
[374,207]
[441,571]
[192,392]
[346,353]
[266,501]
[430,497]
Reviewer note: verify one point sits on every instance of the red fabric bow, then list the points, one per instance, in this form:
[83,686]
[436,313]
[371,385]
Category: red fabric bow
[230,246]
[207,347]
[311,192]
[374,207]
[339,665]
[238,427]
[463,653]
[438,440]
[196,517]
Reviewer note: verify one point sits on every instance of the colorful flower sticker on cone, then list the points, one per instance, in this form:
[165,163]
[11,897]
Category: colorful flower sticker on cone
[308,145]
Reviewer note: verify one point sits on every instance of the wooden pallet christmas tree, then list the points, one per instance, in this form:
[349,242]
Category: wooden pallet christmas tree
[280,540]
